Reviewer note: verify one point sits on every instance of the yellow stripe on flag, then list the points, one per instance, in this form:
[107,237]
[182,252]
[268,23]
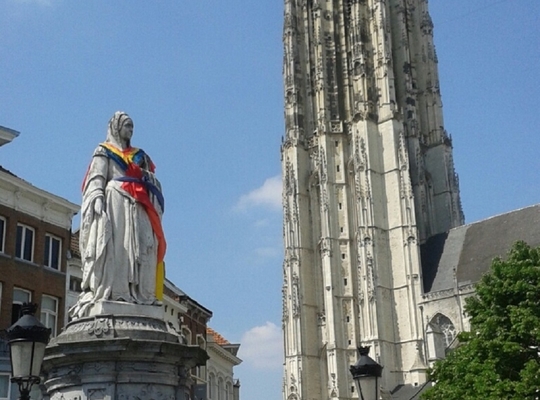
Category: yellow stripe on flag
[160,279]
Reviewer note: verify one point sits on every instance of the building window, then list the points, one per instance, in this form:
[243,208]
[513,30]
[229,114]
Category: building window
[20,296]
[75,284]
[25,243]
[53,249]
[4,349]
[228,391]
[186,332]
[201,341]
[211,390]
[2,234]
[221,389]
[4,386]
[446,327]
[49,312]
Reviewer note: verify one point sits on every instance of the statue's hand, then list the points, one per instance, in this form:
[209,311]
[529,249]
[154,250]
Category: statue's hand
[98,205]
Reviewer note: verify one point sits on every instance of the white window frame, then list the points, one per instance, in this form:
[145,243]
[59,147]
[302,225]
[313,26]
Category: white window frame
[48,262]
[23,242]
[220,388]
[13,301]
[3,235]
[187,333]
[46,314]
[201,341]
[8,387]
[228,391]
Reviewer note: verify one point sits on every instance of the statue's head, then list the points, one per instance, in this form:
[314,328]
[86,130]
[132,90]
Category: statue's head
[120,129]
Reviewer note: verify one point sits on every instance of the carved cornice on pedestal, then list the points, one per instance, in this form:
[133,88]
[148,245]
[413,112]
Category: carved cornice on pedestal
[120,357]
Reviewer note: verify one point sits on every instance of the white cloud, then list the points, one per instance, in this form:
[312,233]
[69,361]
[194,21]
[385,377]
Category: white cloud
[262,347]
[262,223]
[268,195]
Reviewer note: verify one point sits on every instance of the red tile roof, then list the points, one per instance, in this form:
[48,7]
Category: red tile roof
[217,337]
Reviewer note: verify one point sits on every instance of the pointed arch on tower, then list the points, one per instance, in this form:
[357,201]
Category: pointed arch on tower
[440,334]
[445,326]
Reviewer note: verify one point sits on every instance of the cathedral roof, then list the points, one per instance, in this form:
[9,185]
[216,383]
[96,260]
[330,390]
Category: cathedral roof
[407,392]
[462,255]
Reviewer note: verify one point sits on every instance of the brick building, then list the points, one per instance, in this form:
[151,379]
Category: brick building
[35,234]
[216,380]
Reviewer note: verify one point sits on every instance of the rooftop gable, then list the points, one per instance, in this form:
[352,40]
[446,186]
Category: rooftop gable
[18,194]
[7,135]
[462,255]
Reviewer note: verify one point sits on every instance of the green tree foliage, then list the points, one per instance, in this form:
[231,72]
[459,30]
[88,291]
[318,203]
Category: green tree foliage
[499,357]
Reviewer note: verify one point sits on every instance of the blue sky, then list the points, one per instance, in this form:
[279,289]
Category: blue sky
[202,82]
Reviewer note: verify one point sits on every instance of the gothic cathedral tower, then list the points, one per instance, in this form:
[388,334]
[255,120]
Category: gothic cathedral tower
[368,177]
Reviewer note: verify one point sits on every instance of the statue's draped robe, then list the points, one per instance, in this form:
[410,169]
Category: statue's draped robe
[122,247]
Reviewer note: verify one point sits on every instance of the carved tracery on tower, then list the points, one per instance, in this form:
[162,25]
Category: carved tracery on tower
[290,210]
[284,294]
[291,262]
[323,174]
[295,296]
[361,73]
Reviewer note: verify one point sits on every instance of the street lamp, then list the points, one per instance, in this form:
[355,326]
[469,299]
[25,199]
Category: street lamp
[27,341]
[366,373]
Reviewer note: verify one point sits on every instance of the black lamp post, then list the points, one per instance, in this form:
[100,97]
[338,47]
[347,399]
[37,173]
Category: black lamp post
[27,341]
[366,373]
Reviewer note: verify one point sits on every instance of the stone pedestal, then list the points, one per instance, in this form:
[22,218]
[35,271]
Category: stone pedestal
[120,356]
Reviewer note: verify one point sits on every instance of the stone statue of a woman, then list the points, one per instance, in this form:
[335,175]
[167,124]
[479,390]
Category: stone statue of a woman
[121,238]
